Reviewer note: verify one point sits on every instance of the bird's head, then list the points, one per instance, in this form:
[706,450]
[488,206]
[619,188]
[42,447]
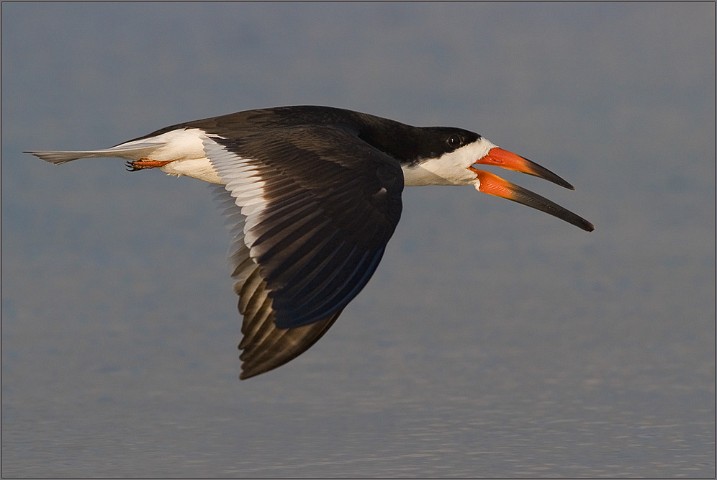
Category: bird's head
[453,157]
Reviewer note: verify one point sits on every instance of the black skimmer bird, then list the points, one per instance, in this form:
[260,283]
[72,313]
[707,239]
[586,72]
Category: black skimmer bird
[313,195]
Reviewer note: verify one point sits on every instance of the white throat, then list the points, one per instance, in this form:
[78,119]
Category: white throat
[450,168]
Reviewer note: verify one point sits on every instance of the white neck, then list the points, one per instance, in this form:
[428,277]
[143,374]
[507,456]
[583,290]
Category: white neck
[450,168]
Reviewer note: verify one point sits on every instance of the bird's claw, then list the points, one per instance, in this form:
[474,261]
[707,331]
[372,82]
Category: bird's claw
[131,167]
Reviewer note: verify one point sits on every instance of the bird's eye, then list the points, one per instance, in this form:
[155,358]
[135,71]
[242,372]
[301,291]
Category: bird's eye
[454,141]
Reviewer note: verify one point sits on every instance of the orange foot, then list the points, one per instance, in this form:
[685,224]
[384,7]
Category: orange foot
[143,163]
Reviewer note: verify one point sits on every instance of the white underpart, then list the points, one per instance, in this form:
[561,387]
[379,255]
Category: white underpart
[183,143]
[450,168]
[184,147]
[199,168]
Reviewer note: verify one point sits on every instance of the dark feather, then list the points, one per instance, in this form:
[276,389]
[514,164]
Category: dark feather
[330,204]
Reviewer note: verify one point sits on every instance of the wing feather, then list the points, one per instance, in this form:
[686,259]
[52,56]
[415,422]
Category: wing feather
[311,213]
[264,346]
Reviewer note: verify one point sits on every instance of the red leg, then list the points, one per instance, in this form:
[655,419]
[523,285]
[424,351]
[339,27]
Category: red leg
[144,163]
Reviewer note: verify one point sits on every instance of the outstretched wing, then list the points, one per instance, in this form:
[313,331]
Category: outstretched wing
[312,210]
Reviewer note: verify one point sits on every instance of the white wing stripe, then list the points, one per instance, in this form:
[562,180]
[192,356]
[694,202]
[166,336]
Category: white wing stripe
[244,183]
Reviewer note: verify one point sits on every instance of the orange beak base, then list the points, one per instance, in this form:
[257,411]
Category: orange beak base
[503,158]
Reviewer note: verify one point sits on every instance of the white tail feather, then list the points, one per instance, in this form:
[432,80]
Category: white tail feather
[133,151]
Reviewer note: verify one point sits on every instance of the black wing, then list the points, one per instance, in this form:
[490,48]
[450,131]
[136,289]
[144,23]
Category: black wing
[312,210]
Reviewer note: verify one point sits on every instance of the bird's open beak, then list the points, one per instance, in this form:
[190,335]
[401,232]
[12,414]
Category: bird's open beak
[494,185]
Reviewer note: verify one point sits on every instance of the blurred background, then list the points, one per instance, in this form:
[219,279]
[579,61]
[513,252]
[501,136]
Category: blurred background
[493,340]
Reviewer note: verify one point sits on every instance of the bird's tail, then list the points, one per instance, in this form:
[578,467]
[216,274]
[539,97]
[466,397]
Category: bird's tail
[133,151]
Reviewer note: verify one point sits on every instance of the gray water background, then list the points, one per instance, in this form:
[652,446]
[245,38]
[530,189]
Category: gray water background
[493,340]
